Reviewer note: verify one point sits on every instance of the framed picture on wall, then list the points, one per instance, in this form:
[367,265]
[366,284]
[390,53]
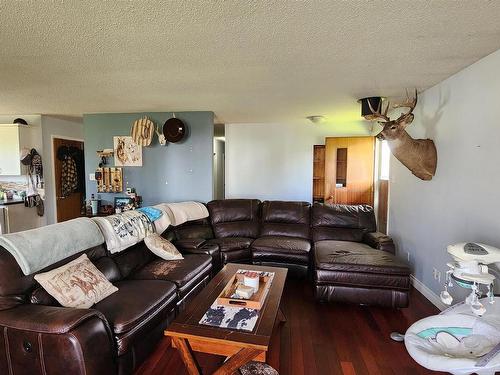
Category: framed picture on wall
[127,153]
[121,202]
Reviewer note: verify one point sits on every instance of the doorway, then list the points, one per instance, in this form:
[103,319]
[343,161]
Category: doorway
[69,198]
[382,191]
[219,161]
[349,170]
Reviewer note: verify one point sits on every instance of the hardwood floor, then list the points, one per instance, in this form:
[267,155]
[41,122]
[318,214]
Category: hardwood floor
[323,339]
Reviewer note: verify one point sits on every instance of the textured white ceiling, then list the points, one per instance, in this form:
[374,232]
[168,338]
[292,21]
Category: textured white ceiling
[248,61]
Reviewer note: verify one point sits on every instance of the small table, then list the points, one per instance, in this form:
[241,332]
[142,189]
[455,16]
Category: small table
[189,335]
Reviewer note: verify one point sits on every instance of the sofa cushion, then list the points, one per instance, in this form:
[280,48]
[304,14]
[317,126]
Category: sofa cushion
[236,256]
[232,243]
[133,259]
[345,256]
[233,249]
[136,302]
[183,273]
[342,222]
[194,229]
[362,279]
[279,248]
[284,218]
[234,217]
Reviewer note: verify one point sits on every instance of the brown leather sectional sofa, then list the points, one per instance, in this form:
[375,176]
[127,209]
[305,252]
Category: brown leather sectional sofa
[337,246]
[115,335]
[334,245]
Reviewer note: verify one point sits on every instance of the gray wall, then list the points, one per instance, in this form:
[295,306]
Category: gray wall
[176,172]
[275,161]
[462,202]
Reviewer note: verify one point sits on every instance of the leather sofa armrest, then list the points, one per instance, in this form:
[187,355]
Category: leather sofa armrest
[189,243]
[211,249]
[63,340]
[379,241]
[46,319]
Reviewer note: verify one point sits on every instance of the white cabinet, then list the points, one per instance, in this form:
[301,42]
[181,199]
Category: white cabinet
[12,139]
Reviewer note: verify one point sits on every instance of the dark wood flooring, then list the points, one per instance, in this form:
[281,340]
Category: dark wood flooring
[323,339]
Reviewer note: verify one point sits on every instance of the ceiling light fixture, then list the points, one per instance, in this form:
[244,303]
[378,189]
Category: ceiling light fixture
[316,119]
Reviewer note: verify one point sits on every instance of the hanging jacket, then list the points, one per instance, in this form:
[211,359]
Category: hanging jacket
[69,176]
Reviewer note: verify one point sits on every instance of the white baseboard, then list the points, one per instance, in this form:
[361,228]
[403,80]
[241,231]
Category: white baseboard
[427,293]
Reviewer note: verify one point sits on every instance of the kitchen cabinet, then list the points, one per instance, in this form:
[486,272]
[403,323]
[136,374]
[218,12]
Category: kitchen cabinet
[16,218]
[13,138]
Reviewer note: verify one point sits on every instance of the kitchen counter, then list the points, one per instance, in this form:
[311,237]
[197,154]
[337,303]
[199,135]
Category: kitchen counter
[7,202]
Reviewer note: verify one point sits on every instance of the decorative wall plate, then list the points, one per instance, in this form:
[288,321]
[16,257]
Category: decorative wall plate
[174,130]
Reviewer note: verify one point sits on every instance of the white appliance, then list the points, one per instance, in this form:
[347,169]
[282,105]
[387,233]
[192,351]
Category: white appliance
[470,270]
[17,217]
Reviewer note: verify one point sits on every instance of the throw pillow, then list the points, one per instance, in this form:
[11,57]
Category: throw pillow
[76,284]
[162,247]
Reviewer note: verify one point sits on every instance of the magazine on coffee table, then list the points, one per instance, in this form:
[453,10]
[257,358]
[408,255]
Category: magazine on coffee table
[235,317]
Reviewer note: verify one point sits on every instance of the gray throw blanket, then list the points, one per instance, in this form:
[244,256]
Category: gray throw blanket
[38,248]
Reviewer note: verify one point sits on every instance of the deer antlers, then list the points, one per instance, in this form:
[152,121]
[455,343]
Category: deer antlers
[377,114]
[408,103]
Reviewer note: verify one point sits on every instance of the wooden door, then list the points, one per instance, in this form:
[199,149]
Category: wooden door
[349,167]
[318,173]
[66,207]
[383,205]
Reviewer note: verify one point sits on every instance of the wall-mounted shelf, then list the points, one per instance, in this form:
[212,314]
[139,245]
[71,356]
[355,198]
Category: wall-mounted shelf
[105,153]
[110,181]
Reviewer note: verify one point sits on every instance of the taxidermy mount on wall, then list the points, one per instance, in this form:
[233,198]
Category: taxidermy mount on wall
[418,155]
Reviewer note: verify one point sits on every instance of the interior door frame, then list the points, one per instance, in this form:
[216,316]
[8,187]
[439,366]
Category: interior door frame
[53,164]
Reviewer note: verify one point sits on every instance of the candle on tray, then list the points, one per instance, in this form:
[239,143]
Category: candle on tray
[251,279]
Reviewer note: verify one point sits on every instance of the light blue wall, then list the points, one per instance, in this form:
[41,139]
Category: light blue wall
[186,166]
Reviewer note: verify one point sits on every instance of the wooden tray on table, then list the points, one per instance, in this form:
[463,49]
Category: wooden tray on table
[226,297]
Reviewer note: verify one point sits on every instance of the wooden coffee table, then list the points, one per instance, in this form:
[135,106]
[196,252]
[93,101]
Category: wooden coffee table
[189,336]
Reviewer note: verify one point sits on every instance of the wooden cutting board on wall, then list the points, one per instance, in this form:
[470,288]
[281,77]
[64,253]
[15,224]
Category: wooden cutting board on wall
[349,169]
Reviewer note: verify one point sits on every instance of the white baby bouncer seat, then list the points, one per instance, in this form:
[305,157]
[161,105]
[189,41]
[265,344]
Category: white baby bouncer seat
[457,341]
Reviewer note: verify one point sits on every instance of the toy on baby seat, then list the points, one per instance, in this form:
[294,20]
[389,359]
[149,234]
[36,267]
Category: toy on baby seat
[465,338]
[470,270]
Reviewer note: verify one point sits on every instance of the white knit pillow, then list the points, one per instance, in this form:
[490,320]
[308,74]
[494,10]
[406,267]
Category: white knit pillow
[76,284]
[162,247]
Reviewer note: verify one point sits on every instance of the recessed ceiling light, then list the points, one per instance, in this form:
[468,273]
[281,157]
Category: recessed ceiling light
[316,119]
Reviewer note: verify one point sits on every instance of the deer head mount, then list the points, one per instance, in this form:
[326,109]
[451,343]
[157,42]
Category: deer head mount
[418,155]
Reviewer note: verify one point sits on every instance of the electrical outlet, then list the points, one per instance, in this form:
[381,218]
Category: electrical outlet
[436,274]
[92,177]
